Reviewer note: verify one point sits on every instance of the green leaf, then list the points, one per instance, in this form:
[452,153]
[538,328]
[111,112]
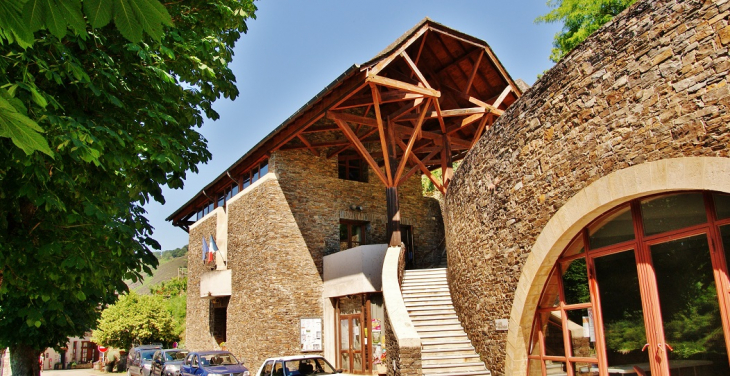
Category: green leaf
[55,21]
[98,12]
[24,132]
[126,22]
[38,98]
[12,19]
[34,14]
[80,295]
[72,13]
[37,324]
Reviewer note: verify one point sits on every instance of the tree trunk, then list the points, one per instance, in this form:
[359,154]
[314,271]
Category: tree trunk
[24,361]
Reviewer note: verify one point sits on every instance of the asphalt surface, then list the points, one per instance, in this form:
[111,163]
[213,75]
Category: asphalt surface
[81,372]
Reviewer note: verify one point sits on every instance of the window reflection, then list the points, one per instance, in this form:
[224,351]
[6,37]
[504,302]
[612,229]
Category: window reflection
[615,228]
[672,212]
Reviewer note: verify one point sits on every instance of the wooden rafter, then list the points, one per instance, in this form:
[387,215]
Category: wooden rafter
[387,97]
[384,63]
[395,115]
[411,141]
[381,132]
[350,118]
[362,150]
[502,96]
[423,168]
[465,122]
[448,113]
[349,145]
[480,129]
[474,73]
[475,101]
[308,145]
[447,167]
[458,61]
[415,70]
[395,84]
[326,128]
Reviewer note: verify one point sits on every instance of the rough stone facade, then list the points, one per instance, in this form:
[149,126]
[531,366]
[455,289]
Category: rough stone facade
[648,86]
[279,230]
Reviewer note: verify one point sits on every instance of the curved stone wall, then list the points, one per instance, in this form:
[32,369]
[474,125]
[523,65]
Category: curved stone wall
[649,86]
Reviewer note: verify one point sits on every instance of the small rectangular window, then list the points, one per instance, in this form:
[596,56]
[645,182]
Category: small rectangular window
[254,175]
[221,201]
[264,168]
[351,167]
[246,179]
[234,190]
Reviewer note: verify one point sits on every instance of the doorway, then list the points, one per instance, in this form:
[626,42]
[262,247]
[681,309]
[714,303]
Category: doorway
[642,289]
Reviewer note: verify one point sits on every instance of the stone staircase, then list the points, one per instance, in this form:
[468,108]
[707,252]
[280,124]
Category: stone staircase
[446,350]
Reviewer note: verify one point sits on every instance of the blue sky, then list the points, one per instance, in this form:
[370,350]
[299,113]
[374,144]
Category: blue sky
[296,48]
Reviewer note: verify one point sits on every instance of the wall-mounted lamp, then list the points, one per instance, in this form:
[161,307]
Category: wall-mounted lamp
[356,207]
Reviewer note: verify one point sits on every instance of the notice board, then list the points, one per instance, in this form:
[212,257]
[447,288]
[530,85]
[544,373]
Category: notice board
[311,333]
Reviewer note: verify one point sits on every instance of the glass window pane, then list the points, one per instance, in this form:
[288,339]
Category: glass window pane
[221,201]
[254,175]
[672,212]
[344,334]
[612,229]
[575,248]
[264,168]
[234,190]
[623,315]
[688,299]
[534,368]
[722,205]
[535,344]
[356,343]
[575,281]
[582,333]
[550,294]
[553,367]
[246,180]
[552,328]
[585,369]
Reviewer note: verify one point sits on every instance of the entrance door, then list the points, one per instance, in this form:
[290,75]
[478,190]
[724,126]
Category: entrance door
[351,343]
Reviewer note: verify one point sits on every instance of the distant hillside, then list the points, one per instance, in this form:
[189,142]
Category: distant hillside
[168,269]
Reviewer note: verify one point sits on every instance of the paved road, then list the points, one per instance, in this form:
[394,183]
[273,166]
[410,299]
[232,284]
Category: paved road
[80,372]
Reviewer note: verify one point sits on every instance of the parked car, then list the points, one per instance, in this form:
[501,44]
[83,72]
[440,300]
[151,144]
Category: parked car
[297,365]
[167,362]
[212,363]
[140,360]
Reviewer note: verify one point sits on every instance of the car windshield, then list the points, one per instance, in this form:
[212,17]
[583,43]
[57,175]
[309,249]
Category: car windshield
[219,359]
[310,366]
[147,355]
[171,356]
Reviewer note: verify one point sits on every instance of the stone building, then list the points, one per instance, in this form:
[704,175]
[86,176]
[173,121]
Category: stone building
[588,232]
[302,221]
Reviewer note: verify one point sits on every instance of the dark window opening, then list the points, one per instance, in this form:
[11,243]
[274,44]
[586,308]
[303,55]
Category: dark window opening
[352,167]
[352,234]
[219,318]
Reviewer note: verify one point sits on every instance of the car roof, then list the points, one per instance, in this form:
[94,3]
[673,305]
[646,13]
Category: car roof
[295,357]
[171,350]
[213,352]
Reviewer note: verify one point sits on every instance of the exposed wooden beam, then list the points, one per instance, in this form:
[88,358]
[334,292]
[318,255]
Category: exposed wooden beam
[475,101]
[308,145]
[326,128]
[408,175]
[381,132]
[395,115]
[502,96]
[387,97]
[447,166]
[465,122]
[411,141]
[415,70]
[361,149]
[349,145]
[487,119]
[423,168]
[350,118]
[448,113]
[384,62]
[459,59]
[395,84]
[474,73]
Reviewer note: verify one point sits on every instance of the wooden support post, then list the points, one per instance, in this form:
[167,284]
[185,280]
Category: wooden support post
[447,165]
[393,226]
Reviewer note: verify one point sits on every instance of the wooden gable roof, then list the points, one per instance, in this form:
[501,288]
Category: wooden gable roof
[417,105]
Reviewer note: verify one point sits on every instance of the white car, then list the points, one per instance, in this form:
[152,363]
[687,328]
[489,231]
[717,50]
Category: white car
[297,365]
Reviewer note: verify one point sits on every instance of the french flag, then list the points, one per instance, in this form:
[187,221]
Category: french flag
[212,250]
[205,249]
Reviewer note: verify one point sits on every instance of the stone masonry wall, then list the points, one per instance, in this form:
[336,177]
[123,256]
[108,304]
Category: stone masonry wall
[198,335]
[275,280]
[318,199]
[650,85]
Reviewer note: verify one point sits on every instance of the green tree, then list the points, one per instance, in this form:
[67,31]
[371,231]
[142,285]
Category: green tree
[120,120]
[580,19]
[135,319]
[19,19]
[175,294]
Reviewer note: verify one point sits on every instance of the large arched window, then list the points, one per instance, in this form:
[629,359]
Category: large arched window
[644,288]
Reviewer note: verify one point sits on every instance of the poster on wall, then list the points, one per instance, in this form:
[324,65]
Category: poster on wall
[311,334]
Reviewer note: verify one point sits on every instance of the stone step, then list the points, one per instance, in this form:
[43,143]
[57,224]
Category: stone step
[441,293]
[447,334]
[441,343]
[454,367]
[435,322]
[435,350]
[425,271]
[416,313]
[449,359]
[425,278]
[441,297]
[438,328]
[436,303]
[423,285]
[471,373]
[417,320]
